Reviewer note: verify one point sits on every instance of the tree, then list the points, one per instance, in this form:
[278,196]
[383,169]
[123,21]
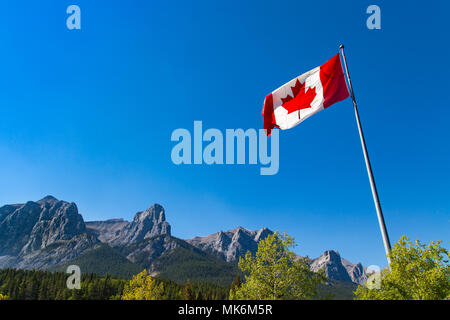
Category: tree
[2,297]
[275,272]
[143,287]
[235,285]
[417,272]
[188,294]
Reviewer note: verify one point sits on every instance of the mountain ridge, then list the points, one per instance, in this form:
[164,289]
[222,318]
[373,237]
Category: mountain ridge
[231,244]
[49,233]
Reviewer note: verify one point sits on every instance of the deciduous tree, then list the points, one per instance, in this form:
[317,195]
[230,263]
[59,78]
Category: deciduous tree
[275,272]
[143,287]
[417,272]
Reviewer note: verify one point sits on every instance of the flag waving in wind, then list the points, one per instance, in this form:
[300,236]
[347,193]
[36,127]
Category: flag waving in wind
[305,95]
[309,93]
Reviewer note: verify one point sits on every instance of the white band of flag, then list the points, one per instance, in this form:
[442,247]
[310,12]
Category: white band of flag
[305,95]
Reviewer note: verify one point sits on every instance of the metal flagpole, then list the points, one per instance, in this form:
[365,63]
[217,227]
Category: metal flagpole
[387,244]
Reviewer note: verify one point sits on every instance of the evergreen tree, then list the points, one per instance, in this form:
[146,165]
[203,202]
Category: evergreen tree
[235,285]
[187,294]
[45,285]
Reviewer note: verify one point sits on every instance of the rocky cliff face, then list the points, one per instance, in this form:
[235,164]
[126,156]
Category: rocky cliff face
[337,268]
[356,272]
[146,224]
[108,230]
[48,232]
[141,241]
[43,233]
[148,251]
[231,244]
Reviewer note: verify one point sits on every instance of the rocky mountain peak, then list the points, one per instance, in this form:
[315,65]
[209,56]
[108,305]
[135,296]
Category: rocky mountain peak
[48,200]
[330,262]
[155,214]
[231,244]
[238,233]
[356,272]
[146,224]
[339,269]
[221,236]
[262,234]
[332,256]
[29,228]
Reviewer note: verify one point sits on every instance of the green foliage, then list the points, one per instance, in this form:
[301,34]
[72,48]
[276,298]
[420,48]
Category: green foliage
[183,262]
[104,261]
[46,285]
[276,272]
[186,262]
[143,287]
[187,293]
[417,272]
[2,297]
[209,291]
[337,290]
[235,285]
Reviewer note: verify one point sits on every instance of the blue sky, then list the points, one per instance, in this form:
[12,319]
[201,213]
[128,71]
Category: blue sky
[87,115]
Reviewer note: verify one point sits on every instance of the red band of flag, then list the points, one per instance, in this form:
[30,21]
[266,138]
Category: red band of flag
[305,95]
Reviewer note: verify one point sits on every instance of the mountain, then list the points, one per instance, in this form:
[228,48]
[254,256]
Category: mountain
[51,234]
[232,244]
[146,224]
[141,241]
[106,230]
[177,260]
[339,269]
[102,261]
[147,242]
[37,235]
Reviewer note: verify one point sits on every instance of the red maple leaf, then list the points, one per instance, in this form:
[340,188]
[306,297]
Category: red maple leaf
[301,100]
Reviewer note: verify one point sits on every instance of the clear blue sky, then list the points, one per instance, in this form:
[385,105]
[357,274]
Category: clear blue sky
[87,115]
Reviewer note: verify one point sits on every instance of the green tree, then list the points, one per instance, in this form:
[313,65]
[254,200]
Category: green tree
[275,272]
[235,285]
[2,297]
[143,287]
[417,272]
[188,294]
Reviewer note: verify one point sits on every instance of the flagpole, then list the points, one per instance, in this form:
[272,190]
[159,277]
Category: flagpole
[387,244]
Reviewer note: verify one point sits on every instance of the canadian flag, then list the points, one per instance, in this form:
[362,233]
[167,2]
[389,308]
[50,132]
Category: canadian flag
[305,95]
